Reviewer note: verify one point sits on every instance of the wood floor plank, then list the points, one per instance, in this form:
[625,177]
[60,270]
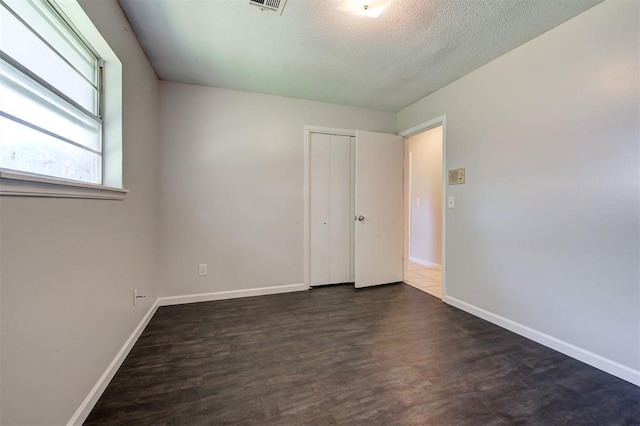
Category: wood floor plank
[389,355]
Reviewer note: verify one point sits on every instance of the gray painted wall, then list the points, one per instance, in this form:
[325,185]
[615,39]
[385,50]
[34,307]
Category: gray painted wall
[69,266]
[232,184]
[546,230]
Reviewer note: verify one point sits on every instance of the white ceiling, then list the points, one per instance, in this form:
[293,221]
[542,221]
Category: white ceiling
[316,50]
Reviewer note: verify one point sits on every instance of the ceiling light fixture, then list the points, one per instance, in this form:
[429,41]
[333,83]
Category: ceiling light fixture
[369,8]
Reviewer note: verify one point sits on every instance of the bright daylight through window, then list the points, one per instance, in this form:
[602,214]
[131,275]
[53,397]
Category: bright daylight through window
[50,95]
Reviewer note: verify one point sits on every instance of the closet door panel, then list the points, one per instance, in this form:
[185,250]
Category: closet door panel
[340,217]
[379,209]
[319,199]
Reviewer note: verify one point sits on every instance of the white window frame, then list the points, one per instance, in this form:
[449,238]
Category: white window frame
[27,185]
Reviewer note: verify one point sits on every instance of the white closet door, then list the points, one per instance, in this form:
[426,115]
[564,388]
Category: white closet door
[320,191]
[331,195]
[379,209]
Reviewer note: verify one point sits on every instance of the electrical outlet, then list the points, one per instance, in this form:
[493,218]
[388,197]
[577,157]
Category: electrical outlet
[202,269]
[136,296]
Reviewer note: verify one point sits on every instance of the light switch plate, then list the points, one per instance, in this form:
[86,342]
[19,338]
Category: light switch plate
[456,176]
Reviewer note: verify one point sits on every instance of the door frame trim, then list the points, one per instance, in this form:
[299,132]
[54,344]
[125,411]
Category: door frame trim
[422,127]
[308,130]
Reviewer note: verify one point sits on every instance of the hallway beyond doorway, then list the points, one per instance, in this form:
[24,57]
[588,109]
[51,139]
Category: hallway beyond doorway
[425,278]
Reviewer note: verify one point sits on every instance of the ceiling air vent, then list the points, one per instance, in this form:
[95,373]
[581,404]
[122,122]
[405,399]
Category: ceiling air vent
[275,5]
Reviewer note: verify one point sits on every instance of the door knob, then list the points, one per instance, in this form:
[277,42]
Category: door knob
[360,218]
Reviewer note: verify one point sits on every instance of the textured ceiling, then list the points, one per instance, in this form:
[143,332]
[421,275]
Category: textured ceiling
[318,50]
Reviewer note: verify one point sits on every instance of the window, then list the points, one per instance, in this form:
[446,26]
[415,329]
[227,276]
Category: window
[60,103]
[50,95]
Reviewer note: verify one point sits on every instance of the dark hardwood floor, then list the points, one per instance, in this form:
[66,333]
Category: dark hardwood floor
[390,355]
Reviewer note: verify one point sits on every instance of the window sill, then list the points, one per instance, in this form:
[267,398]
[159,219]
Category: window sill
[21,185]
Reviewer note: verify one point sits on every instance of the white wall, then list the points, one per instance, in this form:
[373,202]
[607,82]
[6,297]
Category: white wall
[68,267]
[426,185]
[232,184]
[545,232]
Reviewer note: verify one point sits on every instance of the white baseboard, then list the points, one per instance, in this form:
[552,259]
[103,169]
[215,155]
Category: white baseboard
[231,294]
[595,360]
[424,262]
[90,401]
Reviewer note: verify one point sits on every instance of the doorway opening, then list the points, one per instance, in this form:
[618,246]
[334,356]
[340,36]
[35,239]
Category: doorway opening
[424,213]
